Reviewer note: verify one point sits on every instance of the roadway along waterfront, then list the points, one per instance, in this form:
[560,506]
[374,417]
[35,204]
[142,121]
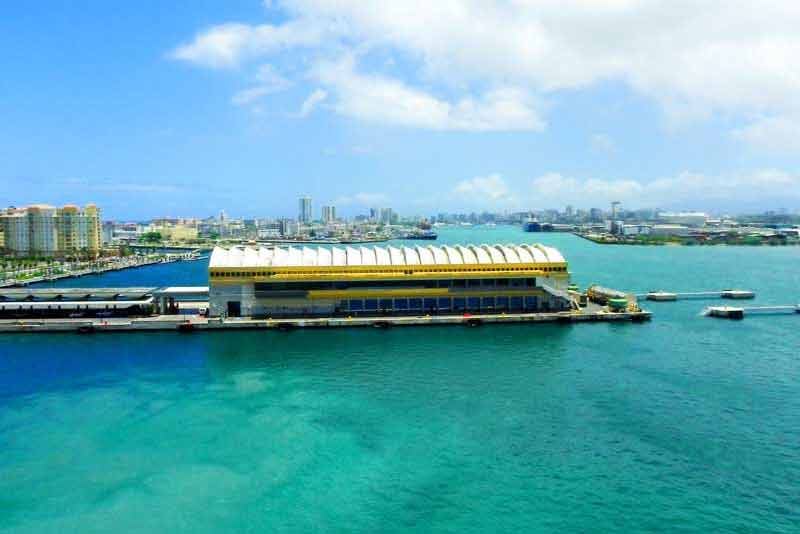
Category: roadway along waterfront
[678,423]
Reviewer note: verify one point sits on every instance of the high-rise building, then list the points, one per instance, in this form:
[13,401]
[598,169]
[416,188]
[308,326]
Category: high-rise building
[386,215]
[42,230]
[328,214]
[373,214]
[305,214]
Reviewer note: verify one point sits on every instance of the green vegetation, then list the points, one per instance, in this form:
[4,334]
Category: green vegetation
[151,237]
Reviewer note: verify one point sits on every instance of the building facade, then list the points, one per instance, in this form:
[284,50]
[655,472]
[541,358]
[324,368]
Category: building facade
[42,230]
[305,214]
[308,282]
[328,214]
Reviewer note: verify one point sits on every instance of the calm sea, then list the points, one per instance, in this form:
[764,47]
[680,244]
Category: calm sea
[683,424]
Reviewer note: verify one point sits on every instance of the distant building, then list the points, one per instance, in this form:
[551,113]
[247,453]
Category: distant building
[670,230]
[42,230]
[328,214]
[595,214]
[305,214]
[694,218]
[386,216]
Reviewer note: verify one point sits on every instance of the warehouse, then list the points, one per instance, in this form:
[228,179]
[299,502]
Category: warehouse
[378,281]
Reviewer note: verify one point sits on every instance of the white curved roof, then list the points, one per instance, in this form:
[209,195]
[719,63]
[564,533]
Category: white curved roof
[373,256]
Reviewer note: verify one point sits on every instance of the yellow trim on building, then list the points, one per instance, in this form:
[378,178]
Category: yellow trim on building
[411,293]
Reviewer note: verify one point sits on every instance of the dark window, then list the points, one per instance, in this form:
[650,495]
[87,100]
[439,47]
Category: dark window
[516,303]
[530,282]
[475,282]
[517,282]
[474,303]
[430,304]
[400,304]
[502,282]
[487,303]
[386,304]
[371,304]
[356,305]
[415,304]
[530,303]
[444,283]
[444,303]
[459,283]
[487,283]
[501,303]
[459,303]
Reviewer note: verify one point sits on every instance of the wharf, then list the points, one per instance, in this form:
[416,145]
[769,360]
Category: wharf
[188,323]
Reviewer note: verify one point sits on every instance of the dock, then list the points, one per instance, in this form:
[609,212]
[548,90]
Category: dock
[192,323]
[668,296]
[733,312]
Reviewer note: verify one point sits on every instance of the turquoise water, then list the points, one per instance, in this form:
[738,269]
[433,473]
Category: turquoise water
[685,423]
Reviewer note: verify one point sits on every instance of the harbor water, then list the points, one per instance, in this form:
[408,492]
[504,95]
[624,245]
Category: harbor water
[681,424]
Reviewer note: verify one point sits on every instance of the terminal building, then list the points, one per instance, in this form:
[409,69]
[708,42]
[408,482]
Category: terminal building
[376,280]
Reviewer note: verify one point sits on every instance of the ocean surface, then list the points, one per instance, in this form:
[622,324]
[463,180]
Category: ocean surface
[682,424]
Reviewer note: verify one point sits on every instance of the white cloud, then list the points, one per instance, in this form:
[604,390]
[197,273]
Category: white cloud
[311,102]
[228,45]
[384,100]
[270,81]
[490,190]
[363,199]
[695,58]
[773,134]
[685,190]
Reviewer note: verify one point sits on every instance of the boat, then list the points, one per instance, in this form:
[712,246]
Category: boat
[422,234]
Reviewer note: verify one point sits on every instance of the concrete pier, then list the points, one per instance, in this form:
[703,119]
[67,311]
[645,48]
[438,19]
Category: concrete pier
[669,296]
[732,312]
[189,323]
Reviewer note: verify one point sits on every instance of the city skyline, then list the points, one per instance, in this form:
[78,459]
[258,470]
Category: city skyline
[247,105]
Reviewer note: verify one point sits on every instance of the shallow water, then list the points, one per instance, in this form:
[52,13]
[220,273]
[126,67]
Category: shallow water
[685,423]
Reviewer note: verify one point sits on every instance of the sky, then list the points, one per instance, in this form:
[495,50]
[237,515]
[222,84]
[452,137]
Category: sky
[186,108]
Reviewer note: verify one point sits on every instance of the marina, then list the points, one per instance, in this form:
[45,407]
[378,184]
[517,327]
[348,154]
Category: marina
[130,262]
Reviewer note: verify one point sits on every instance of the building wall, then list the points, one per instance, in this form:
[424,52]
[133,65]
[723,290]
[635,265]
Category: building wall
[487,296]
[42,230]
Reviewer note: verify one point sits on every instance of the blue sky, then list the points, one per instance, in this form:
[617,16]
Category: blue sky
[185,108]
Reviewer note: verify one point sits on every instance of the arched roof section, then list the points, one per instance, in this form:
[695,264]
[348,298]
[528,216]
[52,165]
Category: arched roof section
[467,254]
[353,256]
[382,256]
[453,255]
[425,255]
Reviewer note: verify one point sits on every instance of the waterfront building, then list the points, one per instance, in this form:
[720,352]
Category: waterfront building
[292,282]
[305,214]
[42,230]
[328,214]
[176,232]
[684,218]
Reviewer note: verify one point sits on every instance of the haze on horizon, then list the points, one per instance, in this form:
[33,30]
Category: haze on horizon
[154,110]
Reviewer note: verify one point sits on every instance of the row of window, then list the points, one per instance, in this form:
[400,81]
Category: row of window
[474,304]
[250,274]
[395,284]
